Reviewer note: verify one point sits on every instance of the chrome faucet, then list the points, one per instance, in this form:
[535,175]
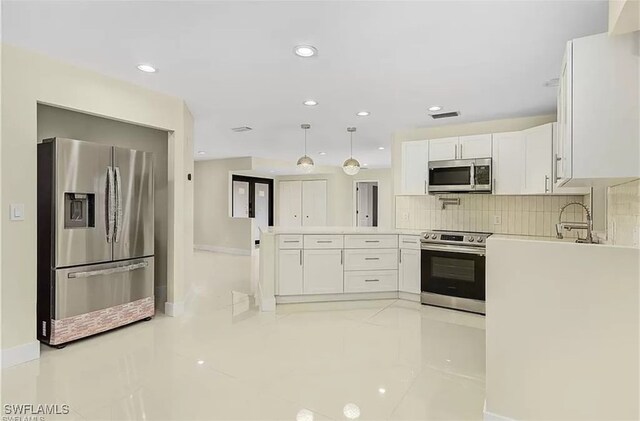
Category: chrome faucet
[588,226]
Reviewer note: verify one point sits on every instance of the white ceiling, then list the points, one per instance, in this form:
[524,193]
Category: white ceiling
[233,63]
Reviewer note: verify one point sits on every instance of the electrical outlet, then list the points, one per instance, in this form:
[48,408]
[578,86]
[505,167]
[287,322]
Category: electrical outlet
[497,220]
[404,215]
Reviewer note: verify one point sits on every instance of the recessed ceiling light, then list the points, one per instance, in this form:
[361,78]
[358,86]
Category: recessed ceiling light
[147,68]
[381,148]
[382,390]
[322,153]
[200,362]
[310,103]
[305,51]
[363,113]
[201,152]
[435,108]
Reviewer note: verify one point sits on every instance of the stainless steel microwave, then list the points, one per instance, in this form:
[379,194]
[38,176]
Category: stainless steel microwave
[460,176]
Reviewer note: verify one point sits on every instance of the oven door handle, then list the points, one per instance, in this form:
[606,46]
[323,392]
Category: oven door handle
[480,251]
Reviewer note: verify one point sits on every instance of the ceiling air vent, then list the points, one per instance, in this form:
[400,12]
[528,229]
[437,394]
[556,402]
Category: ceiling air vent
[241,129]
[445,115]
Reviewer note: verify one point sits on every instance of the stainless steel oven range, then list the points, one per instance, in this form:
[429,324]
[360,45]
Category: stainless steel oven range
[453,269]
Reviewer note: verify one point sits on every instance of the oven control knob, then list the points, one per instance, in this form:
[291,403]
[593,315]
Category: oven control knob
[480,239]
[434,236]
[471,239]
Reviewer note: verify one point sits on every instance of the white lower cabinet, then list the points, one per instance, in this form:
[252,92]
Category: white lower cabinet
[289,272]
[371,281]
[409,271]
[323,271]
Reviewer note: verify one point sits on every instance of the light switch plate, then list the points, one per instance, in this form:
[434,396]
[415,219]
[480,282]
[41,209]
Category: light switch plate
[497,220]
[16,212]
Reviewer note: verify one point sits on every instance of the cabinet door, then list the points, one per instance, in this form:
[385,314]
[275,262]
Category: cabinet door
[323,271]
[508,162]
[290,203]
[314,203]
[442,149]
[477,146]
[409,271]
[415,173]
[563,155]
[537,155]
[289,272]
[556,166]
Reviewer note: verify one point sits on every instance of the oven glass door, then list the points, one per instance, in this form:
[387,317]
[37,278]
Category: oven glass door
[450,176]
[454,273]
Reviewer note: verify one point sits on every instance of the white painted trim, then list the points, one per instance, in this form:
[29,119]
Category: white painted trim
[174,309]
[315,298]
[20,354]
[409,296]
[226,250]
[490,416]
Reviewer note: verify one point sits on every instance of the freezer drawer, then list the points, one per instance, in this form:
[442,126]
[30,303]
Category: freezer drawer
[84,289]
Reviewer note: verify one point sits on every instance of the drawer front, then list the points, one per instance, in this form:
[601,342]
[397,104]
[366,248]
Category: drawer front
[409,242]
[370,241]
[290,241]
[366,259]
[371,281]
[323,241]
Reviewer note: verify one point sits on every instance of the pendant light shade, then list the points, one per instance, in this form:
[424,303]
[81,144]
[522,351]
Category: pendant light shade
[305,163]
[351,166]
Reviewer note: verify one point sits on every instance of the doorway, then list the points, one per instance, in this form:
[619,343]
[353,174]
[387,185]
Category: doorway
[366,195]
[252,197]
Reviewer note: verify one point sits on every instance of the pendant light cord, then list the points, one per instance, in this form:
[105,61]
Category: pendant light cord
[305,142]
[351,145]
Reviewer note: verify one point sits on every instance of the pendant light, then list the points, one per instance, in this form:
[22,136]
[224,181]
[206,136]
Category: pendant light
[305,163]
[351,166]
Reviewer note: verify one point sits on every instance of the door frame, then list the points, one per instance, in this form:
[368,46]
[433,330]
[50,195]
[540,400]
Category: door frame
[354,195]
[252,191]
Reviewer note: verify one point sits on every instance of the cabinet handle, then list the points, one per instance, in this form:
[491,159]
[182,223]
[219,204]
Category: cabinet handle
[400,254]
[324,241]
[408,241]
[455,151]
[300,257]
[460,151]
[341,258]
[493,188]
[546,183]
[291,241]
[372,280]
[425,186]
[371,258]
[371,241]
[555,166]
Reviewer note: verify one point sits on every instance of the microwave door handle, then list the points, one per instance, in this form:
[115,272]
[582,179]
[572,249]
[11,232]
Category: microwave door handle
[473,174]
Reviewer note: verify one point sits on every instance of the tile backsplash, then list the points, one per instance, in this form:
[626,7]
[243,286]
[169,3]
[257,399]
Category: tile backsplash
[623,214]
[519,215]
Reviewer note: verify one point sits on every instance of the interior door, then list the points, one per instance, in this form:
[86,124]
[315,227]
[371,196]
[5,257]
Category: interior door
[81,170]
[314,203]
[134,233]
[290,203]
[240,199]
[261,208]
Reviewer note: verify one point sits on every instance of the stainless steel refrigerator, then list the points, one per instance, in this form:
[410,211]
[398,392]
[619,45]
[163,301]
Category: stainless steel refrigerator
[95,238]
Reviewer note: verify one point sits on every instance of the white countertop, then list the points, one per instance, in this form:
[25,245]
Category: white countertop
[338,230]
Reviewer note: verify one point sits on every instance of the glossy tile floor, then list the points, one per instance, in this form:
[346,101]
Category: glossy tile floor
[225,360]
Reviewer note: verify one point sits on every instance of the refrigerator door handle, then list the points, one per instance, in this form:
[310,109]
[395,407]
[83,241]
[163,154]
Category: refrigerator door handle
[118,208]
[110,204]
[108,271]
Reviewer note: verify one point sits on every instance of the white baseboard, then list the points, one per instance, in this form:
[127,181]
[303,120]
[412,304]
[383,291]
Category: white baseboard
[409,296]
[490,416]
[268,304]
[173,309]
[316,298]
[226,250]
[20,354]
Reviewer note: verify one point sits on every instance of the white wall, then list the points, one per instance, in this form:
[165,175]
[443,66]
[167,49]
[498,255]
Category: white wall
[56,122]
[29,79]
[214,228]
[563,335]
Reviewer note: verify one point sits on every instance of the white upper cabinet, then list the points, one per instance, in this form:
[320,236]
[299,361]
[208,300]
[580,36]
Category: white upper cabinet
[443,149]
[290,203]
[508,162]
[599,112]
[463,147]
[477,146]
[537,159]
[415,159]
[556,167]
[314,203]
